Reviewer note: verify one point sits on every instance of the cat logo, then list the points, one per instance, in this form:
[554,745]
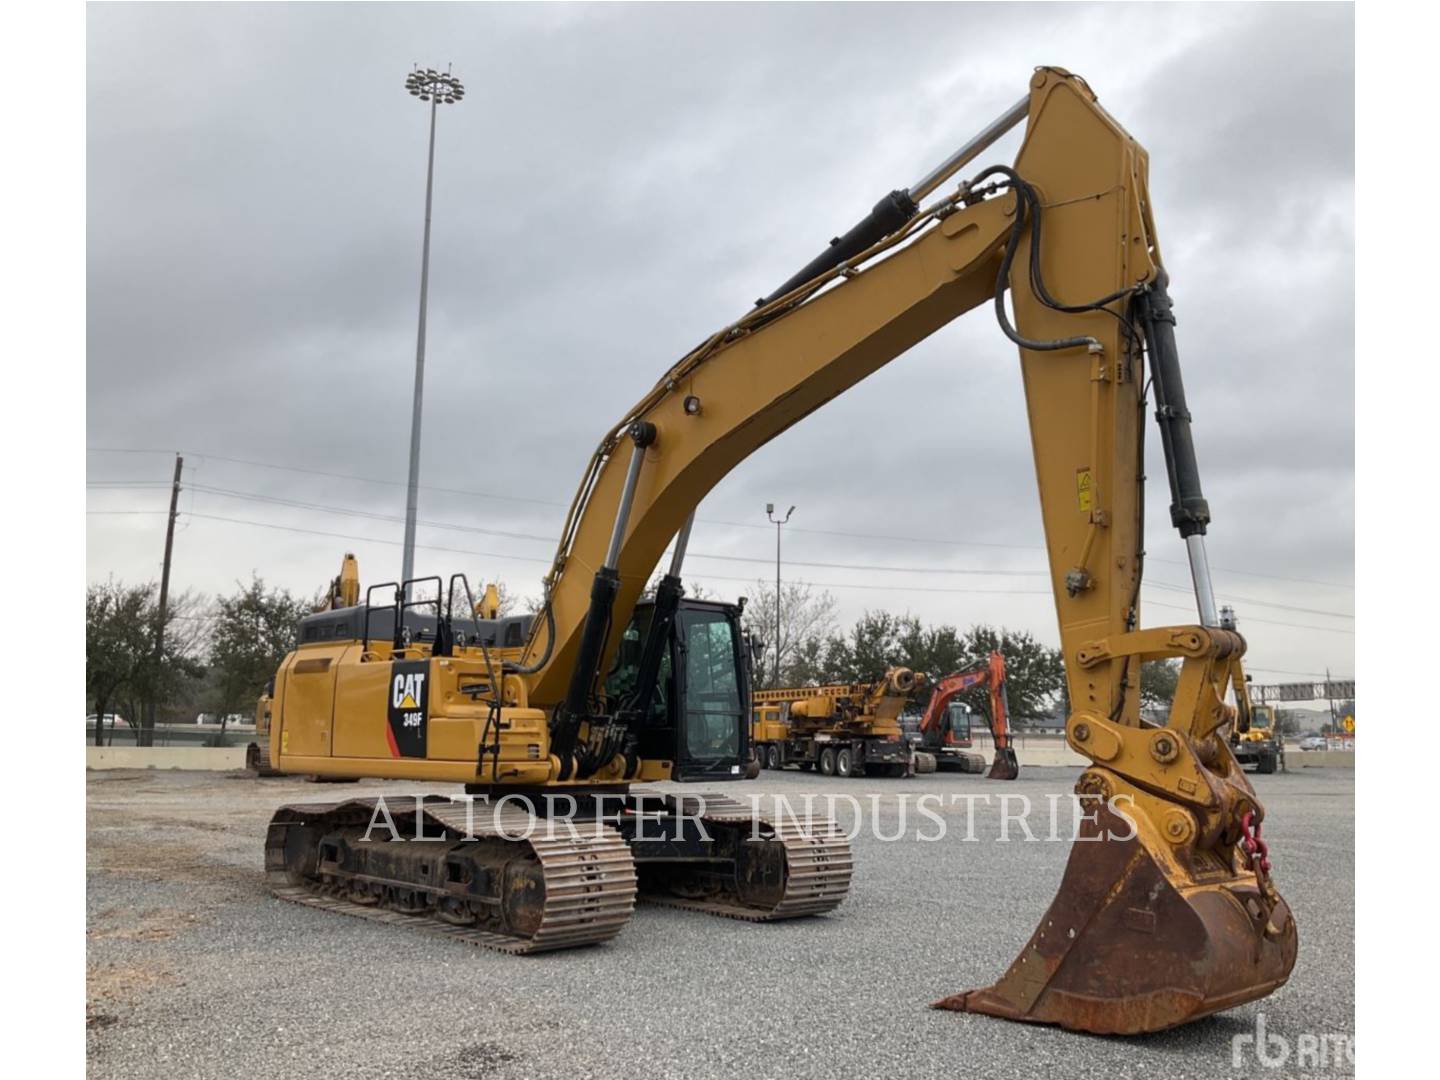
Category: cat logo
[407,712]
[407,690]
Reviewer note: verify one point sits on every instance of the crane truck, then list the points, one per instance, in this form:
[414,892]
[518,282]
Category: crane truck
[841,729]
[1168,910]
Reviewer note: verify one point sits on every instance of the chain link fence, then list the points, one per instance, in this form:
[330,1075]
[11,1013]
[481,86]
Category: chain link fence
[124,733]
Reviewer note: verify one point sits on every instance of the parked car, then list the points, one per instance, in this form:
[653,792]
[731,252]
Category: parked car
[111,720]
[1313,742]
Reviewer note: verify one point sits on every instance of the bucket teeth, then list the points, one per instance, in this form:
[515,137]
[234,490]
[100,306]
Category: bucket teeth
[1136,942]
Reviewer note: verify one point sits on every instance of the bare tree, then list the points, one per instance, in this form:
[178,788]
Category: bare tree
[121,667]
[510,603]
[807,620]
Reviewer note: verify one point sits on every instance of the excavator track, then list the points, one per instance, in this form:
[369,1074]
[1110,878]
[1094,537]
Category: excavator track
[573,886]
[815,865]
[257,759]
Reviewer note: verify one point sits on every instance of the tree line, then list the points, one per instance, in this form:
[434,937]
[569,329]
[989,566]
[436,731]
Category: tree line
[813,649]
[217,656]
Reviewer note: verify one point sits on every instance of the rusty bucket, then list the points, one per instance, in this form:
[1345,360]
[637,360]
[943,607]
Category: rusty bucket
[1005,766]
[1139,939]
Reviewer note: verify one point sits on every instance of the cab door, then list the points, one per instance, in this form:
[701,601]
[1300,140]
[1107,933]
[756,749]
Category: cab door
[713,696]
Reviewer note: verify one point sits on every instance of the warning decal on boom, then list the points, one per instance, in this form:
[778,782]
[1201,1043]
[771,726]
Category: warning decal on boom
[1085,489]
[407,707]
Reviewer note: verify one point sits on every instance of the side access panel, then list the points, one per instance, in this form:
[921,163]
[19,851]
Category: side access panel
[305,702]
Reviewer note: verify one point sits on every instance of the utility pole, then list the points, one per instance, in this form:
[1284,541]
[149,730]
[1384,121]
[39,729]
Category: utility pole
[779,524]
[1330,700]
[436,88]
[149,733]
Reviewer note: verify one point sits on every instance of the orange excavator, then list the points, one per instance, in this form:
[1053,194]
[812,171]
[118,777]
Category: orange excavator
[937,730]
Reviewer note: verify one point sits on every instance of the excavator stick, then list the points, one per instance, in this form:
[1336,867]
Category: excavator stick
[1134,942]
[1167,912]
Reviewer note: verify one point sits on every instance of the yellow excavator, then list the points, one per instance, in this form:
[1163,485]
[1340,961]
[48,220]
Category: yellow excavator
[1168,910]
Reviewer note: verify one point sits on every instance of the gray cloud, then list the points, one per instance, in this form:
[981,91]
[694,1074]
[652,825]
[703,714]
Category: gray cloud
[620,181]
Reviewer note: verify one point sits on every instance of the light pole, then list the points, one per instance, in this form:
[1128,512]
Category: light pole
[779,523]
[436,88]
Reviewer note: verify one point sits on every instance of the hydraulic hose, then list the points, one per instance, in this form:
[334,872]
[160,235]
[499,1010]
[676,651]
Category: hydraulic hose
[1028,213]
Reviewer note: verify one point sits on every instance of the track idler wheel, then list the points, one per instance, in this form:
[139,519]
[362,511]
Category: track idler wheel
[1135,941]
[1005,766]
[523,897]
[760,873]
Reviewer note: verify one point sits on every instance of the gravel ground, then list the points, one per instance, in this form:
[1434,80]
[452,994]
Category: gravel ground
[195,971]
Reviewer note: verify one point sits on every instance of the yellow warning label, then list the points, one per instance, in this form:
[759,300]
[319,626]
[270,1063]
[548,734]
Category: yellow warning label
[1085,489]
[285,741]
[408,702]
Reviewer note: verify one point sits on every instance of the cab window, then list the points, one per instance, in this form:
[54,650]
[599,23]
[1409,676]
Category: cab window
[712,686]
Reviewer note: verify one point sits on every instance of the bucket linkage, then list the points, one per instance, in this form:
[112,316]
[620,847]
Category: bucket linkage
[1167,911]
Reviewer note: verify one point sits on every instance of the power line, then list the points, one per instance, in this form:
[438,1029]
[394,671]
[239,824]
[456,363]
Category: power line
[341,476]
[351,512]
[524,558]
[887,537]
[811,564]
[363,539]
[1251,600]
[877,588]
[1282,671]
[936,570]
[1267,622]
[710,577]
[693,576]
[864,567]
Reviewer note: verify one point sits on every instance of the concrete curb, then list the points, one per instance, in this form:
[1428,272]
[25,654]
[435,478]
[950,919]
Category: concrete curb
[203,758]
[1320,759]
[1053,750]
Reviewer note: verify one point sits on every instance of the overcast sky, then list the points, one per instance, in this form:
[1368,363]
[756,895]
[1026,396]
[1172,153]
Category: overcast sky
[619,182]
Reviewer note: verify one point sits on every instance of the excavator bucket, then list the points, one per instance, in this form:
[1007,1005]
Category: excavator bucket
[1005,766]
[1138,941]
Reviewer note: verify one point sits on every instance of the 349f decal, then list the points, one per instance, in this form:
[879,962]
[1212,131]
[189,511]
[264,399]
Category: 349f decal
[408,707]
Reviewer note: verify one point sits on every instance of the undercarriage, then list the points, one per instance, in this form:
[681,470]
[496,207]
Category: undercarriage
[533,874]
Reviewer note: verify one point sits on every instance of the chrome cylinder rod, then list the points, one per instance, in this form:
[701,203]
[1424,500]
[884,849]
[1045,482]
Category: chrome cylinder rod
[643,435]
[1200,574]
[970,151]
[682,541]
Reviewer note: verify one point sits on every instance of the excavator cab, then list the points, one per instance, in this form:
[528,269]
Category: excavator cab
[955,728]
[699,708]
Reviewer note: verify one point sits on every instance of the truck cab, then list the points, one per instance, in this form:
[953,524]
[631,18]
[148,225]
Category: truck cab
[1260,745]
